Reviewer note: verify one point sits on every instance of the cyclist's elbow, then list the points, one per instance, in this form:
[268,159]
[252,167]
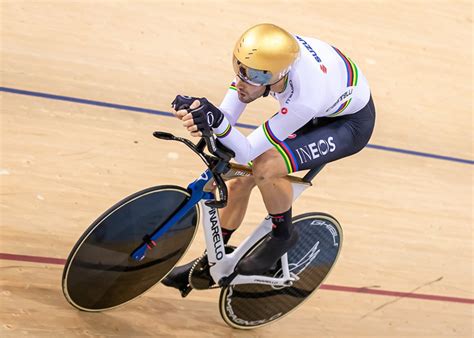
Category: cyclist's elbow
[241,158]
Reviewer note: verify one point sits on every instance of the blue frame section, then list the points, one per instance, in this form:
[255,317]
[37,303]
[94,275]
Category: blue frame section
[197,194]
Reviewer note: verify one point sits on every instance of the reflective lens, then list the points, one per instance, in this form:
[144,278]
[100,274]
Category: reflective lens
[252,76]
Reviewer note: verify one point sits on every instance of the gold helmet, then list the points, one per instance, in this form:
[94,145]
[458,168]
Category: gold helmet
[264,54]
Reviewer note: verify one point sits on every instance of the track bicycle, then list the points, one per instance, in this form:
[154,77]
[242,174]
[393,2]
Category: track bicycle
[137,242]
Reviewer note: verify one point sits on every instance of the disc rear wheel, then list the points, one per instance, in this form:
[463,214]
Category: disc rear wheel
[249,306]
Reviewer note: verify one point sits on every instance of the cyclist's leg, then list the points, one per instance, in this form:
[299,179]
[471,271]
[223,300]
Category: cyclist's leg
[269,172]
[332,139]
[312,146]
[239,190]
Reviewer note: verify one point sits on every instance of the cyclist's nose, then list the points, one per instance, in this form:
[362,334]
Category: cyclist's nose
[241,85]
[238,83]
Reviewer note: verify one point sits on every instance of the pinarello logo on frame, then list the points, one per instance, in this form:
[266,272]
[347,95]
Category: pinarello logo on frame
[284,110]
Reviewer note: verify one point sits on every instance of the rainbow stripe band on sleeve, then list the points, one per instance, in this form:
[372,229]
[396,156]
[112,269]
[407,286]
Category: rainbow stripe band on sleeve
[352,77]
[282,147]
[232,86]
[351,68]
[225,132]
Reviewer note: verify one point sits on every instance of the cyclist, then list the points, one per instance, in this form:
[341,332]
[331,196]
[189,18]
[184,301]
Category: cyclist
[326,113]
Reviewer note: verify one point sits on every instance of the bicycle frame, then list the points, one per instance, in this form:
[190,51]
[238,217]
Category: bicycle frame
[222,264]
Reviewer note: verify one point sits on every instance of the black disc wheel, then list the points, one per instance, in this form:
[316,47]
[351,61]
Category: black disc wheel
[249,306]
[100,274]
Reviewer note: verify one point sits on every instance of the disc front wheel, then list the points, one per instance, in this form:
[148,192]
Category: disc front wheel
[100,274]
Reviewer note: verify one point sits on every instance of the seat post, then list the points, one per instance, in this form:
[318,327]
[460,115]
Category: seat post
[312,173]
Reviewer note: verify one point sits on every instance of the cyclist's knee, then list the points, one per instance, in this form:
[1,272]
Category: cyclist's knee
[268,166]
[241,185]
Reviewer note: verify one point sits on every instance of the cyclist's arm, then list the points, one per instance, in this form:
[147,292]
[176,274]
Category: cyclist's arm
[231,106]
[270,134]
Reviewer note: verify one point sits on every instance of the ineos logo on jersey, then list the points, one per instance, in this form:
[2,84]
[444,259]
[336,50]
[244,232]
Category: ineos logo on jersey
[314,150]
[284,110]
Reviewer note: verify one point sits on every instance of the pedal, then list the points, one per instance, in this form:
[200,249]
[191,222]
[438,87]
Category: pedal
[200,276]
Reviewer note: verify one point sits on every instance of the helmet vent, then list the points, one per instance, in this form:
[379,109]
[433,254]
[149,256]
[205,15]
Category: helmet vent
[251,53]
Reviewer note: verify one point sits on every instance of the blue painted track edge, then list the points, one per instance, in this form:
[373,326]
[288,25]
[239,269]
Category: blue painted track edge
[242,125]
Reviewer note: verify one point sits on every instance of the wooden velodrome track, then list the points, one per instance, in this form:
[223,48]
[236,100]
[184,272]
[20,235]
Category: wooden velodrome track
[405,202]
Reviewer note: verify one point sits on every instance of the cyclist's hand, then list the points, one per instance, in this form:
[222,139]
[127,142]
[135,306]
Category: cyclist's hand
[191,124]
[201,119]
[182,104]
[207,114]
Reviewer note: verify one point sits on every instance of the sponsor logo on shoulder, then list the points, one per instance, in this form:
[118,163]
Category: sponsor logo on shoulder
[313,53]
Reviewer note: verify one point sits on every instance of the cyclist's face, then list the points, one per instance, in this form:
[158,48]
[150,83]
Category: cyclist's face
[247,92]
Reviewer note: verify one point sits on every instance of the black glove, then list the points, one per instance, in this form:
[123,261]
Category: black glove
[205,117]
[182,102]
[208,113]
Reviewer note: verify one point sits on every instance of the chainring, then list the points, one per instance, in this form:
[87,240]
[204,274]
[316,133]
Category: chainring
[199,276]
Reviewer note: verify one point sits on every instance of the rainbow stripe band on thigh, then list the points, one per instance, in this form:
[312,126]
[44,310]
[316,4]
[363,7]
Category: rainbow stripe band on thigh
[283,149]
